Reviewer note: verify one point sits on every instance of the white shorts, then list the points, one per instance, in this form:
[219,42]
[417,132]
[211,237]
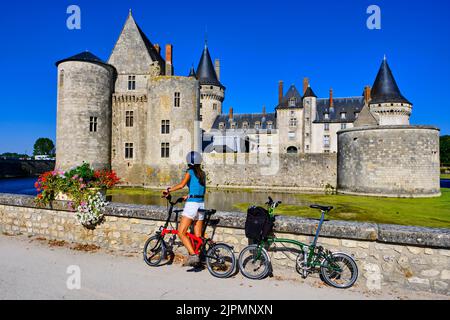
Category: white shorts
[191,211]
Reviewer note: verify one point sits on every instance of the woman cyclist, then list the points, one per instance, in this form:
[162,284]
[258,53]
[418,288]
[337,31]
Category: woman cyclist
[195,179]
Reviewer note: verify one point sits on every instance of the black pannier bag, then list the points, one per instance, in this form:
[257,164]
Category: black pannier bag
[258,225]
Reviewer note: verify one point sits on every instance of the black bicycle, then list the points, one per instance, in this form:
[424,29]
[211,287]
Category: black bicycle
[219,257]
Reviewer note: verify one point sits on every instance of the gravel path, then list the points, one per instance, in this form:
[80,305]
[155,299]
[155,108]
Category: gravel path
[34,268]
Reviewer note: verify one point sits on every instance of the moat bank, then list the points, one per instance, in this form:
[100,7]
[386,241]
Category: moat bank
[24,168]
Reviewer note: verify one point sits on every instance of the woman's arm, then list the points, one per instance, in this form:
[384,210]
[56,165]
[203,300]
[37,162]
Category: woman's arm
[181,185]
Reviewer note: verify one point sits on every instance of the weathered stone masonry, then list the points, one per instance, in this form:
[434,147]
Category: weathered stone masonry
[388,256]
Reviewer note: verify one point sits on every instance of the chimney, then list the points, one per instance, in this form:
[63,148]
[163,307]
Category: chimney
[231,113]
[157,48]
[331,98]
[169,64]
[280,91]
[264,110]
[367,93]
[217,67]
[305,84]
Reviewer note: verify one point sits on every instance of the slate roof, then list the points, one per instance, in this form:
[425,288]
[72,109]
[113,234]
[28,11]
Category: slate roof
[309,93]
[251,118]
[192,72]
[85,56]
[150,48]
[348,105]
[206,73]
[385,89]
[291,93]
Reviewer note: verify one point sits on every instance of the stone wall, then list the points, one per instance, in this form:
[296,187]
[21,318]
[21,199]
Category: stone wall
[303,172]
[388,256]
[394,161]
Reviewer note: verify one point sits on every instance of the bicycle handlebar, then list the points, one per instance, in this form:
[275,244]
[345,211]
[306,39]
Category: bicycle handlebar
[272,203]
[169,199]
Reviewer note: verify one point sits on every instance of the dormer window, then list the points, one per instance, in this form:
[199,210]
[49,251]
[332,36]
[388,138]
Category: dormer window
[257,125]
[245,125]
[343,115]
[233,125]
[292,102]
[269,125]
[221,125]
[326,116]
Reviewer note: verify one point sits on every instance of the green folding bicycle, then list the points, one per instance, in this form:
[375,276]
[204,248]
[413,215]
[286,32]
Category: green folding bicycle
[337,269]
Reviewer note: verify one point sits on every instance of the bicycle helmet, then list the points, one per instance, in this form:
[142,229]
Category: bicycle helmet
[193,157]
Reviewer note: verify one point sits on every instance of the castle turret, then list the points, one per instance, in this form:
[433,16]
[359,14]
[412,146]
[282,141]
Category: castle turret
[212,92]
[387,102]
[85,86]
[310,107]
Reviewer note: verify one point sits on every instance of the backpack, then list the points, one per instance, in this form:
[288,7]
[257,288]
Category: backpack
[258,224]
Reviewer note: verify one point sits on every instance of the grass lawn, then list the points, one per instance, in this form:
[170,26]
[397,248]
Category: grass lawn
[428,212]
[445,176]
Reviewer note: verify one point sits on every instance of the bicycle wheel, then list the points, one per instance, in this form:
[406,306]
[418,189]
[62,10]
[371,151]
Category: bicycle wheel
[154,250]
[341,272]
[254,262]
[221,261]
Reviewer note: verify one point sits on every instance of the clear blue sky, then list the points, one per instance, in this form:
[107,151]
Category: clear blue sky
[258,42]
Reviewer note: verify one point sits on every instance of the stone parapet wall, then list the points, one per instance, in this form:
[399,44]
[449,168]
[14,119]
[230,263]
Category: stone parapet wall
[388,256]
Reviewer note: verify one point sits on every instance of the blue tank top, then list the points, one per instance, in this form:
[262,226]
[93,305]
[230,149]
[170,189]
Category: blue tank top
[195,188]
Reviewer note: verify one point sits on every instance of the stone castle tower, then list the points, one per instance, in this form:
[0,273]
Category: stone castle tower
[212,92]
[85,86]
[387,103]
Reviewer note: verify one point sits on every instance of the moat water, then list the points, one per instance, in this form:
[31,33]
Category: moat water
[217,199]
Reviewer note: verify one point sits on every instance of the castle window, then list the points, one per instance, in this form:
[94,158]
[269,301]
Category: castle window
[61,79]
[326,141]
[326,126]
[165,126]
[292,102]
[292,113]
[201,106]
[269,125]
[326,151]
[293,122]
[221,126]
[200,117]
[307,147]
[343,126]
[326,116]
[343,115]
[291,135]
[93,124]
[128,150]
[257,125]
[131,82]
[165,150]
[176,100]
[233,125]
[129,118]
[245,125]
[214,106]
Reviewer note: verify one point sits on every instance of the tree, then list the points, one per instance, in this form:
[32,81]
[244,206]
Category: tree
[43,146]
[445,150]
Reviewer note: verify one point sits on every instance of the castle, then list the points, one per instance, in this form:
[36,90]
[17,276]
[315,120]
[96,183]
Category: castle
[132,113]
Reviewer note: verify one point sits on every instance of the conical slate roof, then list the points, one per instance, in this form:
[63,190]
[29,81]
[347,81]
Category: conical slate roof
[84,57]
[192,72]
[385,89]
[309,93]
[206,74]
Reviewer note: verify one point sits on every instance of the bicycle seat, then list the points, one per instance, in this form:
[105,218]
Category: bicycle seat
[323,208]
[208,212]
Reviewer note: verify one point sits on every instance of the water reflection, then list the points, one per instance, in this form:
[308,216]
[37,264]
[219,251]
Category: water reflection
[216,199]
